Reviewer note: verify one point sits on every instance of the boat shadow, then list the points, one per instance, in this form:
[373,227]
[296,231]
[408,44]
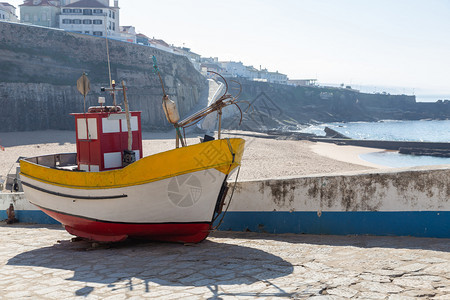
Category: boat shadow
[208,265]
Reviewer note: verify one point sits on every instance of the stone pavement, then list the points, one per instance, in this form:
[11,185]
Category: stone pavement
[33,264]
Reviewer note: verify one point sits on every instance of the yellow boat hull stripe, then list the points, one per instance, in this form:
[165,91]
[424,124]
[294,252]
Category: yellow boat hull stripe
[214,154]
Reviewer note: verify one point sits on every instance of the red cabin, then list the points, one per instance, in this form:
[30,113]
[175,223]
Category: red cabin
[102,138]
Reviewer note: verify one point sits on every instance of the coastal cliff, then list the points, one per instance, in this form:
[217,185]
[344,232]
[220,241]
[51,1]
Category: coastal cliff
[40,67]
[281,106]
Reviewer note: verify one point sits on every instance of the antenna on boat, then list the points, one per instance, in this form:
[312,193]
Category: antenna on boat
[109,64]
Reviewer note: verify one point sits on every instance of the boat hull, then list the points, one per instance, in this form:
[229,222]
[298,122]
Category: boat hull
[178,207]
[114,232]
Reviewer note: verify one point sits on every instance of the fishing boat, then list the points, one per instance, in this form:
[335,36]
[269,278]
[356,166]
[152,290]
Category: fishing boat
[107,191]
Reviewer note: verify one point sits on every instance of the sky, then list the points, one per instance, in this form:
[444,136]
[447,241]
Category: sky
[402,44]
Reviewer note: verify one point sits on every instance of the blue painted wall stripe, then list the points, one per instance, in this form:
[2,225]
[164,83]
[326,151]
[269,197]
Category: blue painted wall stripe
[411,223]
[30,216]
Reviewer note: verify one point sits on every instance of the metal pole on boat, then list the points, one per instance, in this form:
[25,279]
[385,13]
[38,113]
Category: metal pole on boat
[220,123]
[127,114]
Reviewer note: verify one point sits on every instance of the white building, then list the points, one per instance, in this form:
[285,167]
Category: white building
[127,34]
[272,77]
[93,17]
[234,69]
[8,12]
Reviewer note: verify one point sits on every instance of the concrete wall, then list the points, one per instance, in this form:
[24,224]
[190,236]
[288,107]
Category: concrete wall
[389,202]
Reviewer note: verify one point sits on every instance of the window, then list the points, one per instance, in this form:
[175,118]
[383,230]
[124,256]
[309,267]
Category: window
[110,14]
[27,17]
[97,33]
[98,11]
[113,15]
[44,17]
[66,21]
[67,10]
[77,11]
[35,18]
[97,22]
[114,26]
[87,21]
[76,21]
[87,11]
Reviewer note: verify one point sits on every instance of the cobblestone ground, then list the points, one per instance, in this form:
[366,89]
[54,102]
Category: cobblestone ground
[42,263]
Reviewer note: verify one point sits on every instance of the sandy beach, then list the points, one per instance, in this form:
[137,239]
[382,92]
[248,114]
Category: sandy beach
[263,157]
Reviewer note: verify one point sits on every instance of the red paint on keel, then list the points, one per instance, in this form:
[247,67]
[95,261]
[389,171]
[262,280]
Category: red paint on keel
[114,232]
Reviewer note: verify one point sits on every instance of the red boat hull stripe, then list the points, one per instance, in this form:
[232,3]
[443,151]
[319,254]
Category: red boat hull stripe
[192,232]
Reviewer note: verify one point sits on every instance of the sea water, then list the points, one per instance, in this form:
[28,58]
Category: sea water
[419,131]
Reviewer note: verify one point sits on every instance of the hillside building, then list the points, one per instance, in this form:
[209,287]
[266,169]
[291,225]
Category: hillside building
[302,82]
[40,12]
[93,17]
[8,12]
[128,34]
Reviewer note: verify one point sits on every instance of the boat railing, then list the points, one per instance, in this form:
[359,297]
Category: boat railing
[55,160]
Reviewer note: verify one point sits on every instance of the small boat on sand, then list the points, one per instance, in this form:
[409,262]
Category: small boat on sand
[108,192]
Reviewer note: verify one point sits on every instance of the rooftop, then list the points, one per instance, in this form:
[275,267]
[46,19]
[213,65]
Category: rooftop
[87,3]
[39,3]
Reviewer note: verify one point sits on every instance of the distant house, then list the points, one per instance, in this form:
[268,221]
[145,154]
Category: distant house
[93,17]
[160,44]
[40,12]
[8,12]
[128,33]
[234,69]
[208,66]
[302,82]
[272,77]
[142,39]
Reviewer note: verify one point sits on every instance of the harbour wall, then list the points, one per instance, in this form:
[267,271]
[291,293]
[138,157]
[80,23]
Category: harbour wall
[402,202]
